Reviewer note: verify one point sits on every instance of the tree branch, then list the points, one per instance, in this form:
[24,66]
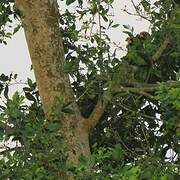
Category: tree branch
[96,113]
[138,88]
[141,88]
[160,50]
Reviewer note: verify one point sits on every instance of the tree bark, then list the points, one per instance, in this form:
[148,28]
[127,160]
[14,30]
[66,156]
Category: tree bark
[40,21]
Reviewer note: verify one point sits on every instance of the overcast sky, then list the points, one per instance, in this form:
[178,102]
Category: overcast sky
[15,56]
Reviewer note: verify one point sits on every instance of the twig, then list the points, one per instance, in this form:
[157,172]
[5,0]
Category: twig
[137,11]
[133,14]
[138,113]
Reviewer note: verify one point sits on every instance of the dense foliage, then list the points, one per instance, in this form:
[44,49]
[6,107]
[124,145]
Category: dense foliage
[138,135]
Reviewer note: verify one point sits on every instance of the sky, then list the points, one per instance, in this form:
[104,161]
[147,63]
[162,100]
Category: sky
[15,56]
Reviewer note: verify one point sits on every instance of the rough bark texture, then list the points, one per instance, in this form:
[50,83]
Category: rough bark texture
[41,26]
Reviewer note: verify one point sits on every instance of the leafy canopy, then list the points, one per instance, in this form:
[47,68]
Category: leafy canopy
[137,136]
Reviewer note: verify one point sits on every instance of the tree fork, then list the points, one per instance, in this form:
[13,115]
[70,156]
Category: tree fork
[40,21]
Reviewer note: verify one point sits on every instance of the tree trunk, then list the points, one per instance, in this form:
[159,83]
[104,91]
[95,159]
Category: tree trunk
[41,25]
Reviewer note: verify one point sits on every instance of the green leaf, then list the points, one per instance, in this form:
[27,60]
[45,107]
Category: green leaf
[2,107]
[53,126]
[4,78]
[15,76]
[139,61]
[30,83]
[30,97]
[127,27]
[115,25]
[26,89]
[80,2]
[6,90]
[67,110]
[68,2]
[117,152]
[16,29]
[105,18]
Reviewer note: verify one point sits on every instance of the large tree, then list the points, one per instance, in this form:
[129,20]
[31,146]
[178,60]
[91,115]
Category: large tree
[124,111]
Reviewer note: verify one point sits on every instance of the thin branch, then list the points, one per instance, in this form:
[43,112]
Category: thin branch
[99,18]
[138,14]
[119,140]
[138,113]
[137,11]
